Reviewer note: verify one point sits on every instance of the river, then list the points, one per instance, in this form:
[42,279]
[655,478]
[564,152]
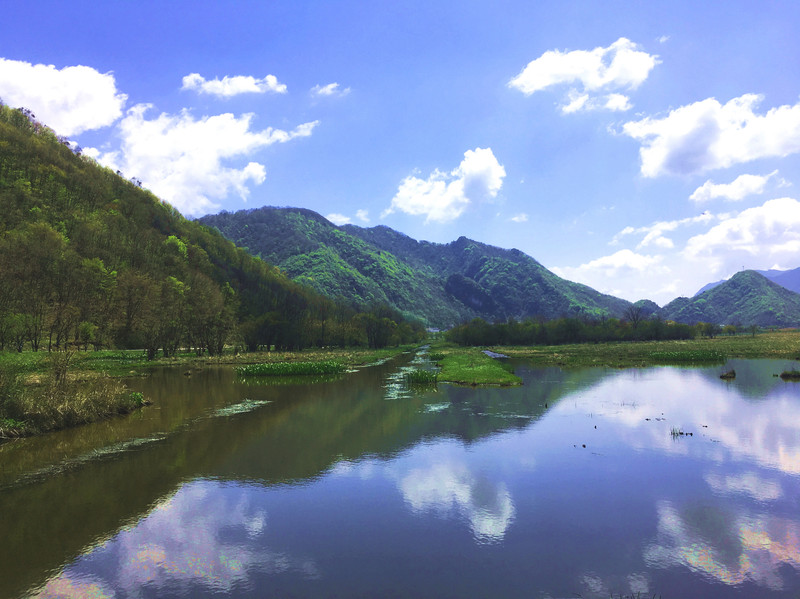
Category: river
[580,483]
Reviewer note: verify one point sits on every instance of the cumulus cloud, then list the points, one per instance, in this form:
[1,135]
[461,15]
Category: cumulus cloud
[654,235]
[593,75]
[181,158]
[69,100]
[623,261]
[443,196]
[738,189]
[331,89]
[342,219]
[228,87]
[338,219]
[768,233]
[708,135]
[520,218]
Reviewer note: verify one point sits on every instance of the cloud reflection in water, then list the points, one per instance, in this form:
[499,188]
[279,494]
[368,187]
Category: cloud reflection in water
[205,534]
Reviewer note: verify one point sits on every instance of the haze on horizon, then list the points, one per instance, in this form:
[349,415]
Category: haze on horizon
[644,150]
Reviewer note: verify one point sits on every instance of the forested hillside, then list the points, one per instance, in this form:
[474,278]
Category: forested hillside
[747,298]
[500,283]
[790,279]
[313,251]
[441,283]
[90,258]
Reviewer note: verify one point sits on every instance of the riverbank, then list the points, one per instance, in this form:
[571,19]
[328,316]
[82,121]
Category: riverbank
[775,345]
[42,392]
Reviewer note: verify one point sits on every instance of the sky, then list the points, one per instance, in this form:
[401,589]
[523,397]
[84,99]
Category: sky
[642,148]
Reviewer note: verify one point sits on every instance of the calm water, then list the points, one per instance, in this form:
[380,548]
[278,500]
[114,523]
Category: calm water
[571,485]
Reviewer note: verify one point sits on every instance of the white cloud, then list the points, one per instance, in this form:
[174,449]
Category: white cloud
[708,135]
[615,264]
[767,233]
[341,219]
[627,274]
[592,73]
[338,219]
[69,100]
[180,158]
[331,89]
[232,86]
[520,218]
[578,101]
[654,234]
[738,189]
[443,196]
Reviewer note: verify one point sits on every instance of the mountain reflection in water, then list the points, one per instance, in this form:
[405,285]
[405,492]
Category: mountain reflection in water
[574,484]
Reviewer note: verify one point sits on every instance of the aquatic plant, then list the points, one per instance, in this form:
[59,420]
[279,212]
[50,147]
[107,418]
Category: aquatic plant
[791,375]
[291,368]
[421,377]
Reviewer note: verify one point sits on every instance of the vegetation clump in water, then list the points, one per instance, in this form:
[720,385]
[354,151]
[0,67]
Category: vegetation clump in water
[790,375]
[470,366]
[291,368]
[419,377]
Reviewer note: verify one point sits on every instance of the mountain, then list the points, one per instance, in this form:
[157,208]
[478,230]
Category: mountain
[440,283]
[746,298]
[87,256]
[790,279]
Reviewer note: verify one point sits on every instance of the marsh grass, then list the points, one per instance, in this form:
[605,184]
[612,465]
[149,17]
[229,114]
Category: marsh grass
[421,378]
[59,400]
[470,366]
[691,356]
[773,344]
[291,369]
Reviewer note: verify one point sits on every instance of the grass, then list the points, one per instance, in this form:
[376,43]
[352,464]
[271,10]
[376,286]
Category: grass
[777,345]
[692,356]
[470,366]
[291,368]
[419,377]
[58,399]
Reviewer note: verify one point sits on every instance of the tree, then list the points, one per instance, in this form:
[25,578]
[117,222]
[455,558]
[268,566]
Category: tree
[634,314]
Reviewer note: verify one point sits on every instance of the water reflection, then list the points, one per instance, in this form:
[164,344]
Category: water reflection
[573,484]
[731,547]
[205,538]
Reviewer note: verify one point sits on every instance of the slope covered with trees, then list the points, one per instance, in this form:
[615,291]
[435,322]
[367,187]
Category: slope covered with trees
[313,251]
[89,257]
[747,298]
[441,283]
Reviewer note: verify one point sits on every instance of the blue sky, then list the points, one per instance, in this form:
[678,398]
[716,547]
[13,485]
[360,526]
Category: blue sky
[642,148]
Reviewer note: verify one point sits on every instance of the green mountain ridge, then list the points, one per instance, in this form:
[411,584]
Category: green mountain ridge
[442,284]
[87,256]
[747,298]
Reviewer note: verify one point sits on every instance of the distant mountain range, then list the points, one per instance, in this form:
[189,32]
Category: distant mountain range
[748,297]
[442,284]
[790,279]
